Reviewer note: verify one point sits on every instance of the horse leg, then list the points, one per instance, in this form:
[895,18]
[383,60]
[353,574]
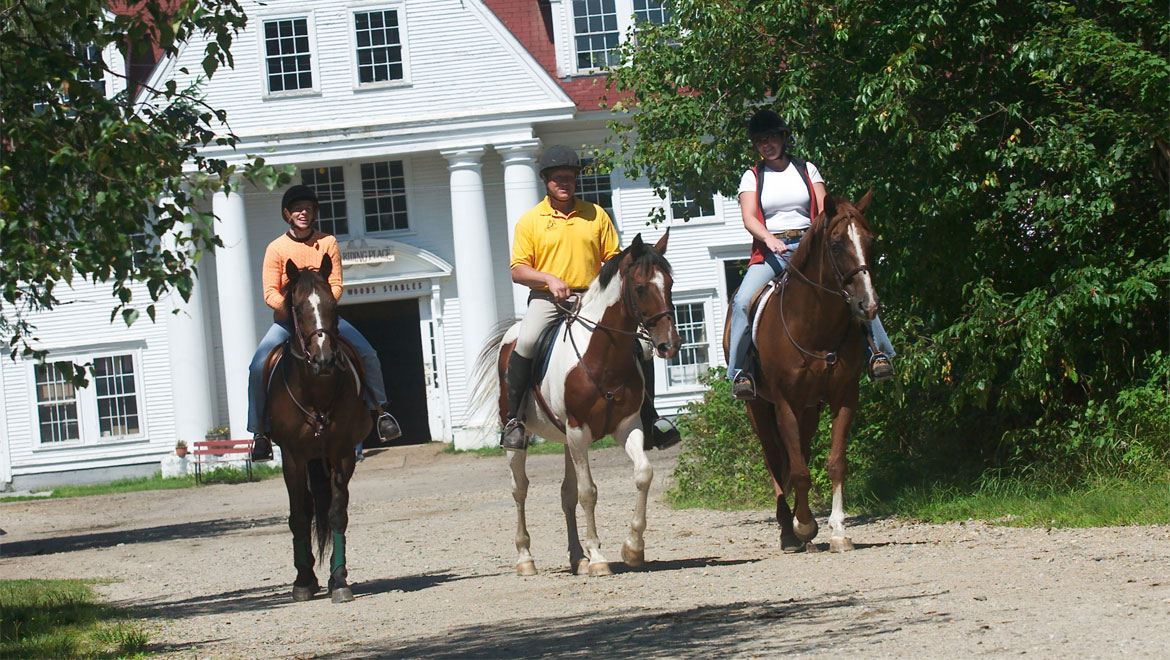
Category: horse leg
[634,549]
[790,428]
[762,416]
[837,467]
[516,463]
[300,506]
[578,441]
[578,562]
[339,590]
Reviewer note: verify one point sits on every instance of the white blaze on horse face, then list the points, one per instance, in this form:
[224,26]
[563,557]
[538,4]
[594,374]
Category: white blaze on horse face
[855,237]
[315,305]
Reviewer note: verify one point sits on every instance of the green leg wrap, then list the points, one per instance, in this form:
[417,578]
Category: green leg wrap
[302,554]
[338,552]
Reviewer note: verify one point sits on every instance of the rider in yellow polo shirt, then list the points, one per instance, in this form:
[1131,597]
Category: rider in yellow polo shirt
[558,249]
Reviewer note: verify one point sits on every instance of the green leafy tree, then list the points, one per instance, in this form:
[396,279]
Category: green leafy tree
[90,184]
[1019,155]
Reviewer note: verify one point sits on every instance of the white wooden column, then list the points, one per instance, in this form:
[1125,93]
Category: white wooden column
[522,191]
[473,266]
[237,288]
[191,369]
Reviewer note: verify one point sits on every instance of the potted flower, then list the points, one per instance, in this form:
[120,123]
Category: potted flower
[217,433]
[180,449]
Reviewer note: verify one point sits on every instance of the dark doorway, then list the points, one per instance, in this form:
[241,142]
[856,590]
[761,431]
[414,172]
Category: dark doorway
[392,327]
[733,270]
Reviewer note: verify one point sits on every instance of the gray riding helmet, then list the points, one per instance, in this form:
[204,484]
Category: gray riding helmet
[559,155]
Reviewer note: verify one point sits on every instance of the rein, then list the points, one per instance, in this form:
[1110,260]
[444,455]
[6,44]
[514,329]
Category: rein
[318,419]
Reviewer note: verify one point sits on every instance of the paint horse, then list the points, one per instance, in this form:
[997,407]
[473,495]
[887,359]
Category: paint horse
[318,412]
[592,388]
[809,342]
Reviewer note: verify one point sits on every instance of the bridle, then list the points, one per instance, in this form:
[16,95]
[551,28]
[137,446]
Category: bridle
[318,419]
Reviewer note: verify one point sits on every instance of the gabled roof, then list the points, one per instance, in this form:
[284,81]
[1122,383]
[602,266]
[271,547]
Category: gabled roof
[531,22]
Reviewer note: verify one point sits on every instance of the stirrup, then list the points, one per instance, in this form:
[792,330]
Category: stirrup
[388,427]
[513,437]
[658,438]
[261,448]
[743,387]
[880,368]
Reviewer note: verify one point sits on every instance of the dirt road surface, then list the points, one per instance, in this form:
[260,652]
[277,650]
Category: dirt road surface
[431,556]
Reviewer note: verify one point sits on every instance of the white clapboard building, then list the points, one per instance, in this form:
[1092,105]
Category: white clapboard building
[419,123]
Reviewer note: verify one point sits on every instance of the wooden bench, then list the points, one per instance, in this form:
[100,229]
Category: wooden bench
[209,452]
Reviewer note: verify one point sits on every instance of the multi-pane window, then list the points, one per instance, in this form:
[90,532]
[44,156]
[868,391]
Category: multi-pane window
[384,195]
[329,184]
[594,186]
[652,11]
[56,405]
[692,205]
[379,46]
[595,32]
[117,396]
[691,360]
[286,49]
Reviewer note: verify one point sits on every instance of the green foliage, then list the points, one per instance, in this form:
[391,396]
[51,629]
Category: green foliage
[1020,154]
[106,188]
[533,449]
[61,619]
[220,475]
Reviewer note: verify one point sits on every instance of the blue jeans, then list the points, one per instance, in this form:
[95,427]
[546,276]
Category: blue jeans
[754,279]
[376,389]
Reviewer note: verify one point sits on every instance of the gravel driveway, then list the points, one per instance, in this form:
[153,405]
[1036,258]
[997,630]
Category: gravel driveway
[431,557]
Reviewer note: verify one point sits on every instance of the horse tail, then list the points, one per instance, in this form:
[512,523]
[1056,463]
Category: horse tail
[322,492]
[485,382]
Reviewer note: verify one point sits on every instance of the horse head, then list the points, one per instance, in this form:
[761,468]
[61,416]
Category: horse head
[646,285]
[314,316]
[847,241]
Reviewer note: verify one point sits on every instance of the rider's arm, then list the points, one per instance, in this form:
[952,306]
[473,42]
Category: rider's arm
[272,274]
[334,274]
[748,210]
[820,192]
[530,277]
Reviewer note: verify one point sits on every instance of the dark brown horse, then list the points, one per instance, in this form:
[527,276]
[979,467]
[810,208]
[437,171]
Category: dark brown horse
[809,338]
[593,388]
[314,384]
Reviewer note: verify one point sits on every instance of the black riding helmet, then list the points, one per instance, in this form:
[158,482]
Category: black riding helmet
[296,194]
[766,122]
[559,155]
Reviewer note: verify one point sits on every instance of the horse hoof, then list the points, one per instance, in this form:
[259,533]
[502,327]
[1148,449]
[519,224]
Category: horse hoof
[302,594]
[599,569]
[805,532]
[633,558]
[526,568]
[342,595]
[579,568]
[789,544]
[840,544]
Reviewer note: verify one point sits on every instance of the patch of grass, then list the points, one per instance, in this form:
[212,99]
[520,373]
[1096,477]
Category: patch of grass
[542,448]
[62,619]
[1099,501]
[221,475]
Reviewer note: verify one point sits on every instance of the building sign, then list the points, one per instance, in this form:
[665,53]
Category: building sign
[385,288]
[365,251]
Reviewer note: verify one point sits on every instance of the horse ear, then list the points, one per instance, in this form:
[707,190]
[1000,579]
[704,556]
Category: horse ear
[863,203]
[660,246]
[291,271]
[830,206]
[636,245]
[326,267]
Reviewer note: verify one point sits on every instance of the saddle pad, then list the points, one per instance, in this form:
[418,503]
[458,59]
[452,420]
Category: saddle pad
[758,303]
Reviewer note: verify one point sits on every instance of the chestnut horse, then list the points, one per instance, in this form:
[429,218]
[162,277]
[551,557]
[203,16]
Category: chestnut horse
[593,387]
[809,340]
[315,400]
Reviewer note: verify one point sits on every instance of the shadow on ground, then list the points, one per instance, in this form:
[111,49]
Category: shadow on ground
[80,542]
[759,628]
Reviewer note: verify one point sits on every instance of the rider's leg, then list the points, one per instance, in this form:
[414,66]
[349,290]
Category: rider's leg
[540,314]
[757,276]
[257,424]
[879,363]
[657,431]
[387,427]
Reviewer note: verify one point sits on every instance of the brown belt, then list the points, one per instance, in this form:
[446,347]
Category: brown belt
[545,294]
[789,233]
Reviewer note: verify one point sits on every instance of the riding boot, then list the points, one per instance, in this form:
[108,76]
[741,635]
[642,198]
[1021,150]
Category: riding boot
[659,432]
[388,428]
[261,448]
[518,380]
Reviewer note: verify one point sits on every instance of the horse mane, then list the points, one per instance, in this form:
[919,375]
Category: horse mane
[647,256]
